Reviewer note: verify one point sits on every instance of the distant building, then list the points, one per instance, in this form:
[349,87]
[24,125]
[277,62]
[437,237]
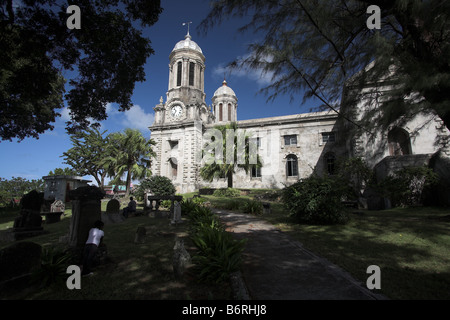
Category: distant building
[58,187]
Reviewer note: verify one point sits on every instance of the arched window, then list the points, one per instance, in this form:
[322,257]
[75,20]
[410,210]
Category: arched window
[191,73]
[179,72]
[220,112]
[399,142]
[291,166]
[330,163]
[229,112]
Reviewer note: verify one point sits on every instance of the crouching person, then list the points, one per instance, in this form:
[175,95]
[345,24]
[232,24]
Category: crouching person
[94,240]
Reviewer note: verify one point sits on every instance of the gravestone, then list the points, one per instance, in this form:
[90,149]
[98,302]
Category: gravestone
[140,235]
[86,209]
[113,206]
[112,214]
[181,259]
[57,206]
[29,222]
[176,213]
[17,261]
[56,210]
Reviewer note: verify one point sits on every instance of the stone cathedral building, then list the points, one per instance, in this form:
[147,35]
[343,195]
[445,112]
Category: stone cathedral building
[291,147]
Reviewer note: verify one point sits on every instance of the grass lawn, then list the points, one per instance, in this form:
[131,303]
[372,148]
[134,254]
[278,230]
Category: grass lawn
[132,271]
[410,245]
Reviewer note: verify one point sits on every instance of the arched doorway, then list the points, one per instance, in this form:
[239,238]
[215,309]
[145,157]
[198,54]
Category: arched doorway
[399,142]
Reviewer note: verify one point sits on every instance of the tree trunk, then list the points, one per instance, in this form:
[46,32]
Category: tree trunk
[127,192]
[230,179]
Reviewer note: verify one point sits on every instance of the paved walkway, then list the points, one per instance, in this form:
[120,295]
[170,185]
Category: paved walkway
[276,267]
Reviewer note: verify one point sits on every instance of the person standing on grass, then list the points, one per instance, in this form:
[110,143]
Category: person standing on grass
[95,237]
[130,208]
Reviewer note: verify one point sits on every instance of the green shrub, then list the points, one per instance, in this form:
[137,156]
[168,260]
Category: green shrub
[159,186]
[252,206]
[187,206]
[219,254]
[54,263]
[227,192]
[316,200]
[233,205]
[405,187]
[201,215]
[166,203]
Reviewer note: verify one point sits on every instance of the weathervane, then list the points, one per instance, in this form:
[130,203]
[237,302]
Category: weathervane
[187,23]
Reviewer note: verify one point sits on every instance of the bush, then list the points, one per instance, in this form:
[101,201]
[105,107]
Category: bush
[228,192]
[316,200]
[219,254]
[54,263]
[233,205]
[405,187]
[158,185]
[252,206]
[166,203]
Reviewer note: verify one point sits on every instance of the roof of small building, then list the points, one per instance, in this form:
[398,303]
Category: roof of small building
[64,177]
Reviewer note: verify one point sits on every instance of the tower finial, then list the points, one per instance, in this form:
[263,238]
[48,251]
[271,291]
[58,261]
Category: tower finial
[187,23]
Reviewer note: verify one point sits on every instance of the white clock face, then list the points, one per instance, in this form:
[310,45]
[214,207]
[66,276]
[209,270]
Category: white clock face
[176,111]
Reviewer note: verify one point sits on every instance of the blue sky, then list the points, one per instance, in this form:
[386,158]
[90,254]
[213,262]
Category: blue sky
[33,159]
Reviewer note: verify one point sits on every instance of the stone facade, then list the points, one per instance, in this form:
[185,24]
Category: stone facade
[291,147]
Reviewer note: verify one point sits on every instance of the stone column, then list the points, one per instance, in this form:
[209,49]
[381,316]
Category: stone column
[86,209]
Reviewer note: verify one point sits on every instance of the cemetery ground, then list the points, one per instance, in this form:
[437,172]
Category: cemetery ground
[410,245]
[131,271]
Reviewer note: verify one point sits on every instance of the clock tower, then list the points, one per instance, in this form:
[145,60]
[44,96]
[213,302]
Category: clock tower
[179,122]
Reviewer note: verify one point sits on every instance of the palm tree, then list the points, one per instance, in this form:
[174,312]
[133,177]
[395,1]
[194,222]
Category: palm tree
[129,152]
[216,170]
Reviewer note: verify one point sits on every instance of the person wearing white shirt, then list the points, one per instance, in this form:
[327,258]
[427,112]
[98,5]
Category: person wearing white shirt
[95,237]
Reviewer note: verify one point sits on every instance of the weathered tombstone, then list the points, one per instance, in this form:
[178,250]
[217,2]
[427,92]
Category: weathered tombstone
[113,206]
[140,235]
[86,209]
[17,261]
[112,214]
[29,223]
[181,258]
[176,213]
[56,210]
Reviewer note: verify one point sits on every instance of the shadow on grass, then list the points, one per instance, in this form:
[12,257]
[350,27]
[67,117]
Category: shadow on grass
[133,271]
[411,246]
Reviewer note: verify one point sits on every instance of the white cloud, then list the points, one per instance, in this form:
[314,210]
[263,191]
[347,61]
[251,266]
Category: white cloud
[262,78]
[137,118]
[65,114]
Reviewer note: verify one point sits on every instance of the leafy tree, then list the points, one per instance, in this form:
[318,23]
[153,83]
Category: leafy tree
[316,47]
[158,185]
[356,175]
[225,167]
[108,53]
[17,187]
[88,153]
[129,152]
[63,172]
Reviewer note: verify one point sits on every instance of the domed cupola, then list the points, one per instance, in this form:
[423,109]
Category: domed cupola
[224,104]
[187,43]
[186,74]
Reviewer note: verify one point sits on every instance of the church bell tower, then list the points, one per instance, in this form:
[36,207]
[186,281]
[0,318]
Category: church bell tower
[179,121]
